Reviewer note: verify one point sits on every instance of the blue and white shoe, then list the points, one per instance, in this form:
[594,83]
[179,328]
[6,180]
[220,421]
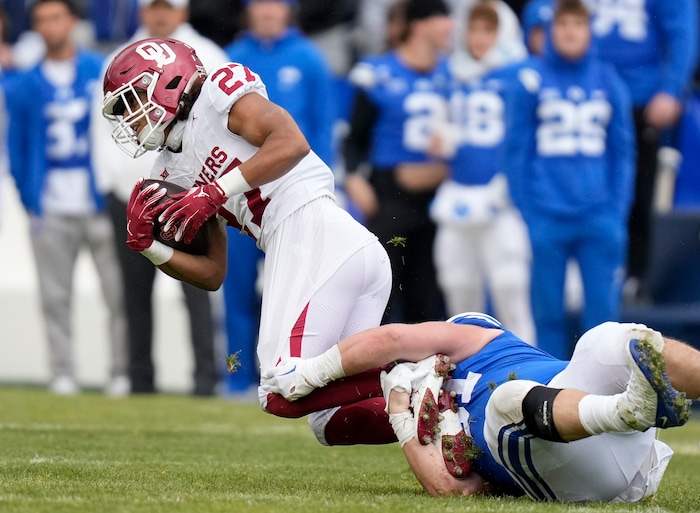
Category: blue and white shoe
[650,399]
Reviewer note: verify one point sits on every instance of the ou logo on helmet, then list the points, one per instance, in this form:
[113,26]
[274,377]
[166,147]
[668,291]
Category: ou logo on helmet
[159,52]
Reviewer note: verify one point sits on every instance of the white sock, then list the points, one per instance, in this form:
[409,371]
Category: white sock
[324,368]
[598,414]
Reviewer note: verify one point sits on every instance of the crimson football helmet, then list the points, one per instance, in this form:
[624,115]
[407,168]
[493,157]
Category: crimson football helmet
[147,81]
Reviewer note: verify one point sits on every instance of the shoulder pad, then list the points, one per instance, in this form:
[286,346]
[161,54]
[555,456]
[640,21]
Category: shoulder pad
[530,79]
[227,83]
[363,75]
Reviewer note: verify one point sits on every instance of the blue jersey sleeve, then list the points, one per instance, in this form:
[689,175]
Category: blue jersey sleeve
[519,142]
[18,140]
[536,13]
[679,24]
[323,111]
[621,145]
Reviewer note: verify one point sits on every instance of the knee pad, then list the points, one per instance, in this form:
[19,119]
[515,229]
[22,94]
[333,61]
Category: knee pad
[507,399]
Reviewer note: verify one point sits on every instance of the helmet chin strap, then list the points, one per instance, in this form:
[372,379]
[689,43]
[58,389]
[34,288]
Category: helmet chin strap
[153,139]
[174,140]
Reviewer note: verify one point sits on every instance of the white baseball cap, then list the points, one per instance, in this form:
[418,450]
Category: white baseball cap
[179,4]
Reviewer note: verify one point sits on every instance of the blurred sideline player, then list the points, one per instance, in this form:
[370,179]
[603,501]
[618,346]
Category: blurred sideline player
[49,107]
[481,242]
[654,46]
[569,156]
[399,98]
[325,275]
[551,429]
[117,173]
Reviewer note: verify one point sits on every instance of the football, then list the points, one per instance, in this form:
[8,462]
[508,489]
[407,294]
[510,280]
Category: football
[200,242]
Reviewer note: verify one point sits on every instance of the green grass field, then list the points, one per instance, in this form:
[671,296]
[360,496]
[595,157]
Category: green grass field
[180,454]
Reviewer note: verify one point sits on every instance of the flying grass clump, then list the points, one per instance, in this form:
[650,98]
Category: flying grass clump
[232,362]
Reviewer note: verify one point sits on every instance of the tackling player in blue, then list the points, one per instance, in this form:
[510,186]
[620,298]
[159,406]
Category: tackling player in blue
[567,431]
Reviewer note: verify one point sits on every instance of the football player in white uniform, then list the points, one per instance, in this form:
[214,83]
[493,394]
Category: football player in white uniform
[244,158]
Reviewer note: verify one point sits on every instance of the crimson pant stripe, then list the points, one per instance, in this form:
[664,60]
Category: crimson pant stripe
[297,335]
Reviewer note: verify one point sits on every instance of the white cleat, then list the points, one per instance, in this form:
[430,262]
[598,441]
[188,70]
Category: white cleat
[650,399]
[64,385]
[456,446]
[427,379]
[287,379]
[398,378]
[118,386]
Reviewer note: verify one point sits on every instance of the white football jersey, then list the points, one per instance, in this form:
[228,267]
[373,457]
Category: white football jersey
[210,149]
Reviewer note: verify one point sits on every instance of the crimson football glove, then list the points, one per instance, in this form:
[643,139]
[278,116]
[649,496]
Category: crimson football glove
[141,213]
[191,209]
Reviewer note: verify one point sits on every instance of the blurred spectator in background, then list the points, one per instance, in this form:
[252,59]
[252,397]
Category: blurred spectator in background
[400,98]
[569,151]
[506,48]
[114,21]
[374,25]
[294,70]
[509,24]
[536,17]
[218,20]
[481,243]
[117,173]
[28,46]
[6,52]
[329,24]
[297,78]
[50,162]
[653,45]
